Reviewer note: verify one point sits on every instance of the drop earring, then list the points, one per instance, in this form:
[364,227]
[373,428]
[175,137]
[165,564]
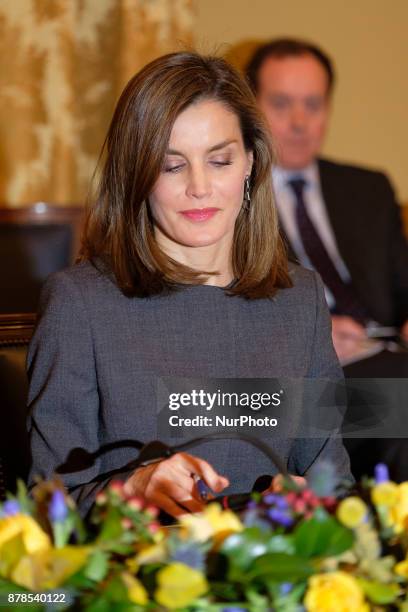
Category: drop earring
[247,194]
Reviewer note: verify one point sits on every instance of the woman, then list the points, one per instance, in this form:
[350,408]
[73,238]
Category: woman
[181,257]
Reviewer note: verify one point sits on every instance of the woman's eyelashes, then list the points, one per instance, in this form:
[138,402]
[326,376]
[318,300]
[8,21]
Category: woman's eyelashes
[179,166]
[221,163]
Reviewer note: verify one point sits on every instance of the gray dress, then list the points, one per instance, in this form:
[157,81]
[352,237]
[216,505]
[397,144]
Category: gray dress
[96,355]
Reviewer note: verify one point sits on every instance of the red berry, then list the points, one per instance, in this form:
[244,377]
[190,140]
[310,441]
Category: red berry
[307,494]
[101,499]
[152,511]
[117,487]
[136,503]
[291,497]
[299,506]
[329,502]
[314,502]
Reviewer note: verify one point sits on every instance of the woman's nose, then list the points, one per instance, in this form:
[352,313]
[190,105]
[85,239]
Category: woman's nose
[199,185]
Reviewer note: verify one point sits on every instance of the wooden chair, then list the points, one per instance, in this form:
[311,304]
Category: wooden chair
[15,334]
[34,241]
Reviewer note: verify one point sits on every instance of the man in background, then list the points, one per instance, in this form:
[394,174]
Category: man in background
[339,219]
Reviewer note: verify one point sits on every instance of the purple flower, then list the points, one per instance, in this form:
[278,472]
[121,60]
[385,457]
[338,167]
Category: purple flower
[252,505]
[234,609]
[11,507]
[190,555]
[381,473]
[57,510]
[286,588]
[271,498]
[274,499]
[251,518]
[281,503]
[278,516]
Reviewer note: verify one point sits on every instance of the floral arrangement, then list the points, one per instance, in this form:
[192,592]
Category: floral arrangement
[317,548]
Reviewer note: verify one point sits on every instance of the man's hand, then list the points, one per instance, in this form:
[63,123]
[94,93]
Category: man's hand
[169,484]
[348,336]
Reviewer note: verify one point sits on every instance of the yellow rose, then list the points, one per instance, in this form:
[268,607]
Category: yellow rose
[212,522]
[195,526]
[153,553]
[402,569]
[179,585]
[351,512]
[33,537]
[334,592]
[48,569]
[385,494]
[135,589]
[398,514]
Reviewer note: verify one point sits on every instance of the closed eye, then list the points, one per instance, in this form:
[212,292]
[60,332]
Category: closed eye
[221,163]
[174,169]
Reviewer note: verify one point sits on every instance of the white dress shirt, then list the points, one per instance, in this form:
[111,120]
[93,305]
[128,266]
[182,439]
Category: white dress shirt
[317,211]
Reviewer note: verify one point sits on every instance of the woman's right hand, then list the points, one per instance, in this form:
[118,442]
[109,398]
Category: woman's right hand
[169,484]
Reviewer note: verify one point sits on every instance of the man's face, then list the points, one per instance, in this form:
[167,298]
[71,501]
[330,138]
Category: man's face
[292,93]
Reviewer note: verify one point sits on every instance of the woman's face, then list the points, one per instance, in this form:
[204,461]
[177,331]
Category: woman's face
[199,192]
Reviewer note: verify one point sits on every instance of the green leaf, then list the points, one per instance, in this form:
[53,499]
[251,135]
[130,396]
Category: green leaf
[7,587]
[225,591]
[243,547]
[316,538]
[119,548]
[97,604]
[379,593]
[78,526]
[26,503]
[280,567]
[287,602]
[97,566]
[258,602]
[281,543]
[79,581]
[111,528]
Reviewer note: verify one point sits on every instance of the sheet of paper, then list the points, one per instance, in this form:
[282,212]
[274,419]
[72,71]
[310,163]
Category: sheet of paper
[366,348]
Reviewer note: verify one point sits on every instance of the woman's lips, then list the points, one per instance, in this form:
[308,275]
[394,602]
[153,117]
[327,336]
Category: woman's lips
[199,214]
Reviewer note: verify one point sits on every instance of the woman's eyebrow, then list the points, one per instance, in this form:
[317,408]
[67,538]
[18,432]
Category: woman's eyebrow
[221,145]
[216,147]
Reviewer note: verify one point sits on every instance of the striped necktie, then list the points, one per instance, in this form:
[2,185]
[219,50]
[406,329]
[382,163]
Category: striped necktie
[347,302]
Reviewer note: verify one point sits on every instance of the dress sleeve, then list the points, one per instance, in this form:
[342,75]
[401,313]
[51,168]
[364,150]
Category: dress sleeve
[63,401]
[323,365]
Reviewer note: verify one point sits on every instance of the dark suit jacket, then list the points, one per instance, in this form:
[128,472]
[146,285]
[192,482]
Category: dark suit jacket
[365,218]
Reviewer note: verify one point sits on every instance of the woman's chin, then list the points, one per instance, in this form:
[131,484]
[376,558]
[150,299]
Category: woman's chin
[200,240]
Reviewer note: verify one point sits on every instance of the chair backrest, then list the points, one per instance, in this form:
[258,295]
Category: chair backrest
[15,334]
[404,211]
[34,241]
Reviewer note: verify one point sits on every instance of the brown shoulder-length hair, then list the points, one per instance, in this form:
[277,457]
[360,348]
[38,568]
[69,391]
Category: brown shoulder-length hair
[119,229]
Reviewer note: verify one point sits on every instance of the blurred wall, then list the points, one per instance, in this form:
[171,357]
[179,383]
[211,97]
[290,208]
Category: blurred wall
[368,41]
[63,64]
